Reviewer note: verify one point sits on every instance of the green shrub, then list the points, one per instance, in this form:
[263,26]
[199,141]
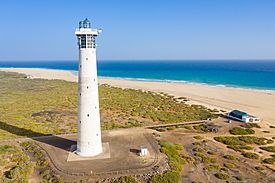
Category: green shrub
[168,177]
[188,127]
[241,131]
[240,178]
[250,155]
[211,152]
[242,140]
[269,160]
[198,137]
[229,157]
[260,168]
[268,148]
[240,148]
[229,140]
[255,140]
[251,125]
[213,167]
[229,165]
[161,129]
[175,162]
[170,128]
[18,166]
[197,149]
[221,176]
[205,159]
[6,148]
[125,179]
[201,127]
[224,169]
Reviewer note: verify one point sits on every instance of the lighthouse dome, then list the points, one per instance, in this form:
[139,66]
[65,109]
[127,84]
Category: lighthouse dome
[85,24]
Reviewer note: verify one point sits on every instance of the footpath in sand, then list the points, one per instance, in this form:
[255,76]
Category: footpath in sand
[256,102]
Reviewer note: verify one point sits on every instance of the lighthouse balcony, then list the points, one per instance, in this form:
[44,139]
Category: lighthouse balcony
[84,31]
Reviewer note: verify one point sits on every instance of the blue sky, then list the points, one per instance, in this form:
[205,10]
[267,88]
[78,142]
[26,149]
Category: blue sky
[139,29]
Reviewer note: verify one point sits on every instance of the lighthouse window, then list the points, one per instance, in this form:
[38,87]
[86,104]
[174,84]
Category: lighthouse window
[87,87]
[89,41]
[88,115]
[93,42]
[83,41]
[87,58]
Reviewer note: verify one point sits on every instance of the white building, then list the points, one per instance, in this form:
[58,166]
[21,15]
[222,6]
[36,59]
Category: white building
[243,116]
[89,134]
[143,151]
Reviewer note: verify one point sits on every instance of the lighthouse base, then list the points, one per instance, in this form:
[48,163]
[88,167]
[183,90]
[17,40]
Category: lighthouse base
[90,152]
[75,156]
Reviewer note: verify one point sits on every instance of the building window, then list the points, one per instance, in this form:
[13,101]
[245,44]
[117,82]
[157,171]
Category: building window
[88,115]
[79,121]
[82,41]
[87,87]
[86,58]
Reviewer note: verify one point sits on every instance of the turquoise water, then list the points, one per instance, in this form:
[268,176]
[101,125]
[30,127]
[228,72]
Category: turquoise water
[245,74]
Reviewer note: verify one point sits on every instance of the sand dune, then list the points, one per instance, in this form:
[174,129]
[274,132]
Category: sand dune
[256,102]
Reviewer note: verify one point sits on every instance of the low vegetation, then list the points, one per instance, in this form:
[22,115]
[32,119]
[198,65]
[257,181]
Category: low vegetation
[243,140]
[221,176]
[175,162]
[240,178]
[260,168]
[15,165]
[269,160]
[205,159]
[250,155]
[198,137]
[213,167]
[229,157]
[125,179]
[241,131]
[251,125]
[229,165]
[268,148]
[201,127]
[35,107]
[42,162]
[241,143]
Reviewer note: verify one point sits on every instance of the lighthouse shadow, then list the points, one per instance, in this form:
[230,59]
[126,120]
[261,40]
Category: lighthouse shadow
[48,139]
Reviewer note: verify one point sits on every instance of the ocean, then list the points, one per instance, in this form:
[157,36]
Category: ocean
[242,74]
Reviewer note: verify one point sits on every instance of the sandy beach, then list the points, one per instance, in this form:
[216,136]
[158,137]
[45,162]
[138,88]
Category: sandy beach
[256,102]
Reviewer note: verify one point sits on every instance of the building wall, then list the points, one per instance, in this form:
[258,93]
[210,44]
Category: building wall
[89,134]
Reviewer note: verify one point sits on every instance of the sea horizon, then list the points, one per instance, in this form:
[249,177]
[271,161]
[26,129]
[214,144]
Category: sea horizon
[248,74]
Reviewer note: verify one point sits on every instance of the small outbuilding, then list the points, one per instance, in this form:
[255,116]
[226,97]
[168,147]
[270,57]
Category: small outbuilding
[243,116]
[143,151]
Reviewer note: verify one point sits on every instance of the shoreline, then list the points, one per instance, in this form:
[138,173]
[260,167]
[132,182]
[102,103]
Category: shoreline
[189,83]
[254,101]
[74,73]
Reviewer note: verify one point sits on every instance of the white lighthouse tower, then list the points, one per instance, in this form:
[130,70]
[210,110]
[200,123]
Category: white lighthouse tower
[89,134]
